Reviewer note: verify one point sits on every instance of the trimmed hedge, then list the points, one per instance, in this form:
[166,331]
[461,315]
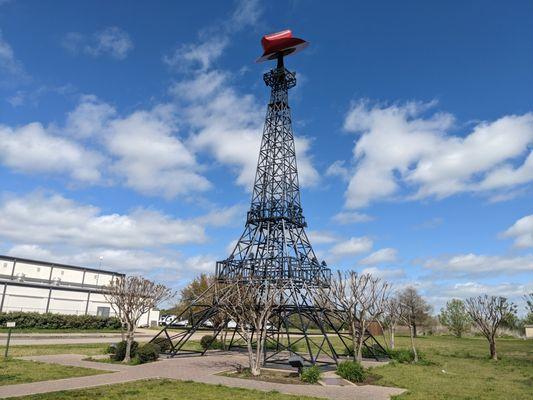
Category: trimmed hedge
[163,343]
[207,341]
[148,353]
[33,320]
[120,350]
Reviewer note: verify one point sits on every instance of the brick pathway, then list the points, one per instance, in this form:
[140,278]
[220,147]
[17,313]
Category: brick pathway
[198,369]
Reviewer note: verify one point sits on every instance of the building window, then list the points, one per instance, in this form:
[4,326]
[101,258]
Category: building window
[38,269]
[5,265]
[102,312]
[62,272]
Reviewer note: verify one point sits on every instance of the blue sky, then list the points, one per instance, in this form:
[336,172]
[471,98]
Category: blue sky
[131,132]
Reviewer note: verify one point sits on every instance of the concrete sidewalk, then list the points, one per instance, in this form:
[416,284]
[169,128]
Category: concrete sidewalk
[198,369]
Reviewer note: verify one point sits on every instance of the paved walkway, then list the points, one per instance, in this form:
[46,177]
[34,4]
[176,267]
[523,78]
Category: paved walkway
[198,369]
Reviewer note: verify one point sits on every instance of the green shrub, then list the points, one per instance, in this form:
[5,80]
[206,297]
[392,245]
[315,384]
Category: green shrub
[110,349]
[135,361]
[120,350]
[208,341]
[311,374]
[367,352]
[352,371]
[165,344]
[402,355]
[148,353]
[33,320]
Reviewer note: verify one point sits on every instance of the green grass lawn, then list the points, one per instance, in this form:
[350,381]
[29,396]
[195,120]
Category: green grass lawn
[89,349]
[468,372]
[163,389]
[21,371]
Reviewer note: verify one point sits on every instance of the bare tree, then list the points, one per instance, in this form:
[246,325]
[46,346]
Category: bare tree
[407,317]
[488,312]
[392,317]
[131,297]
[251,305]
[360,298]
[414,304]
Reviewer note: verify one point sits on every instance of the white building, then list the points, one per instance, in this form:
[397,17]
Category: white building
[40,286]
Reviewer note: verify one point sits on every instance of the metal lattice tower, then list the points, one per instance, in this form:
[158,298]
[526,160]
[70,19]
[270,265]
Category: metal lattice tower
[274,245]
[274,248]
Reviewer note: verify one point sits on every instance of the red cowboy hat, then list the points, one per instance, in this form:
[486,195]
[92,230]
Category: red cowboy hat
[280,43]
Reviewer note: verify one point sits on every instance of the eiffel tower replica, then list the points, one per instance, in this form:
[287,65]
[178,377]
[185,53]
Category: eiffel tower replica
[274,247]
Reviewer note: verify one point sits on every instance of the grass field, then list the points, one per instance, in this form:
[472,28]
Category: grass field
[162,389]
[461,369]
[21,371]
[54,331]
[90,349]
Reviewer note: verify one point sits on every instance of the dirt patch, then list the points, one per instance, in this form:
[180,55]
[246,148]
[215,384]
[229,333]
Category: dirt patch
[268,375]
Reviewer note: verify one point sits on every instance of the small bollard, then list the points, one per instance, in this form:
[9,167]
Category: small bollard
[10,325]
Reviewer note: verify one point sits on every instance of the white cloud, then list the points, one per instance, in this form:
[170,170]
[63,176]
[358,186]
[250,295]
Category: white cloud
[225,123]
[111,41]
[89,118]
[201,55]
[401,147]
[469,289]
[352,246]
[142,149]
[338,168]
[150,157]
[233,138]
[121,260]
[351,217]
[321,237]
[390,275]
[380,256]
[439,294]
[472,265]
[247,13]
[8,62]
[522,232]
[201,263]
[223,216]
[200,87]
[31,148]
[196,56]
[53,219]
[73,42]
